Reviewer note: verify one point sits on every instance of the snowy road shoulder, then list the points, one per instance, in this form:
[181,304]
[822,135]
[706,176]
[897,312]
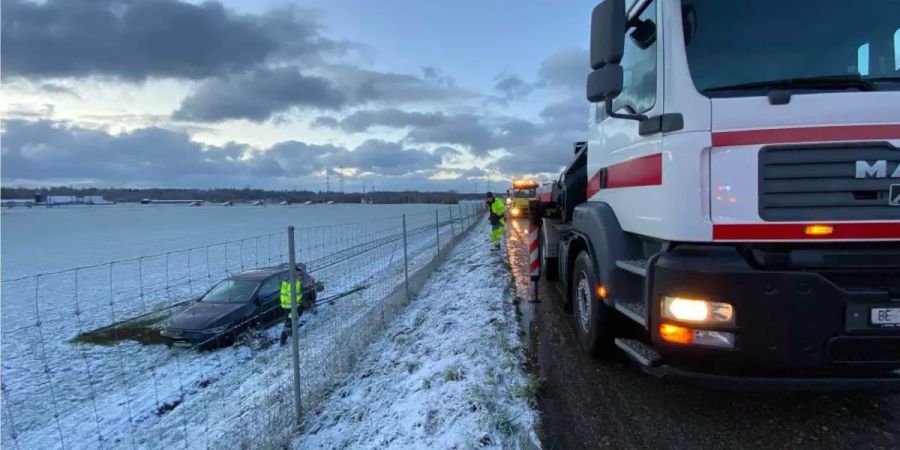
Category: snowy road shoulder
[447,373]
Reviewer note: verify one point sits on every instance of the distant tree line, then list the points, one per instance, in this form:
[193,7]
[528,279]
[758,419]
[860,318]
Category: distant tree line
[221,195]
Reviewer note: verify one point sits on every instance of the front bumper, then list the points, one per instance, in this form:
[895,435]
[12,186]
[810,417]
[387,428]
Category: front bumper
[776,384]
[790,326]
[189,338]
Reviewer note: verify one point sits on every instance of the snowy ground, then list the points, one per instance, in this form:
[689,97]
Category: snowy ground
[60,395]
[448,373]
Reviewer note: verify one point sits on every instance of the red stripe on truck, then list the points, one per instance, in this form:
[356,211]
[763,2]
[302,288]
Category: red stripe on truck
[797,231]
[643,171]
[806,134]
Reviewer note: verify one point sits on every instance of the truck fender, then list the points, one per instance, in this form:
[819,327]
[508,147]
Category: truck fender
[596,225]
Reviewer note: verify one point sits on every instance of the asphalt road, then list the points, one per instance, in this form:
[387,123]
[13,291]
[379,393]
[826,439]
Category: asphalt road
[587,403]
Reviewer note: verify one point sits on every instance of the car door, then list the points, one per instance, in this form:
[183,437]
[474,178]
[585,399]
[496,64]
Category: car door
[269,297]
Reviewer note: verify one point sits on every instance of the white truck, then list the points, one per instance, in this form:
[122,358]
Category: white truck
[734,218]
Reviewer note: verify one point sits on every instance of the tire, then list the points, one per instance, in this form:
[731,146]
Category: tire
[594,320]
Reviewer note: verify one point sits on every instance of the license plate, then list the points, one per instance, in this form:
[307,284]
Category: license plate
[184,344]
[885,317]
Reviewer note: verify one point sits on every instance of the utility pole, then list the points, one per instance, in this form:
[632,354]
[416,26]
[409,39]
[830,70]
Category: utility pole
[327,179]
[342,179]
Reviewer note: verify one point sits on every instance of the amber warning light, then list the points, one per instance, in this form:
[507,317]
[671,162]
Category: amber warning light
[524,184]
[819,230]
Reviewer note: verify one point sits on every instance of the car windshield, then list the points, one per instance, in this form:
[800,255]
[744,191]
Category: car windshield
[756,46]
[231,291]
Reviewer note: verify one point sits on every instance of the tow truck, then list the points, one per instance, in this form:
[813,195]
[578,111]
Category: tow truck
[519,196]
[734,216]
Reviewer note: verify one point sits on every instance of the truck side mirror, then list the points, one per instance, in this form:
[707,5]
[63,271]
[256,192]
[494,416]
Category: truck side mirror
[604,83]
[607,33]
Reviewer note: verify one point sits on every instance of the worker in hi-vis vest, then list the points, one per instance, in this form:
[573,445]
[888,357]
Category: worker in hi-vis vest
[286,304]
[497,215]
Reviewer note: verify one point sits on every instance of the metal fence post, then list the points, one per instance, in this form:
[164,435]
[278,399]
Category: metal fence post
[437,230]
[462,225]
[295,317]
[452,225]
[405,260]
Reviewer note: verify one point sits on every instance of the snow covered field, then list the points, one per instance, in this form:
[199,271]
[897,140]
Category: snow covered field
[61,395]
[448,373]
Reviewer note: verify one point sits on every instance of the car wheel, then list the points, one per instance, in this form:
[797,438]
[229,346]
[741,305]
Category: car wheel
[594,319]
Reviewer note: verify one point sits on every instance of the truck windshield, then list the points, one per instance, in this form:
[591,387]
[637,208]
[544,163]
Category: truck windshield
[739,48]
[523,193]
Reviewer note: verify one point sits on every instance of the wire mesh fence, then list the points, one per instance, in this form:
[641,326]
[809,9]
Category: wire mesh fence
[85,364]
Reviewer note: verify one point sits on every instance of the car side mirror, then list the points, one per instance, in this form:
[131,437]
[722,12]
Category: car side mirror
[605,83]
[320,286]
[607,33]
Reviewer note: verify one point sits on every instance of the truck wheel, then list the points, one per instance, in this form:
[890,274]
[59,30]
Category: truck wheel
[593,318]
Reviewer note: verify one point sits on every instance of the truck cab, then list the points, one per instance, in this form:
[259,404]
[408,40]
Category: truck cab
[518,197]
[741,186]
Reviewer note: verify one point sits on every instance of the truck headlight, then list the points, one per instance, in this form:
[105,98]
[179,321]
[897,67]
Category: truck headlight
[515,211]
[215,330]
[700,311]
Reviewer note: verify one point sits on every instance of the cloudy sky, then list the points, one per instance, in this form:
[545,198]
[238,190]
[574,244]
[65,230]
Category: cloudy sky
[414,94]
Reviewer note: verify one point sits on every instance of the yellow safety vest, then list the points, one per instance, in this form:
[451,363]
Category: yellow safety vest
[498,207]
[286,294]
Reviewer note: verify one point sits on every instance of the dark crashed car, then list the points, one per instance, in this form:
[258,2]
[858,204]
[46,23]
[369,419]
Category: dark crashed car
[234,305]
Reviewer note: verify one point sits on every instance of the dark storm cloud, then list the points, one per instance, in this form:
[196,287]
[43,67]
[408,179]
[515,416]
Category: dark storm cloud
[325,122]
[140,39]
[445,152]
[260,95]
[54,88]
[475,172]
[512,87]
[362,120]
[388,158]
[565,68]
[44,150]
[257,96]
[393,89]
[566,115]
[468,130]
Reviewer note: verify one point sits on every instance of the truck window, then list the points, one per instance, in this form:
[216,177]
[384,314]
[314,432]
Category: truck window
[736,44]
[639,65]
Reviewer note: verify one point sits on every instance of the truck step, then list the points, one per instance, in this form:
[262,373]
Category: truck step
[639,352]
[634,310]
[635,266]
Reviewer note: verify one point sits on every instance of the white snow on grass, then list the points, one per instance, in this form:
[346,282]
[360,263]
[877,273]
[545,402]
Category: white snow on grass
[129,395]
[447,373]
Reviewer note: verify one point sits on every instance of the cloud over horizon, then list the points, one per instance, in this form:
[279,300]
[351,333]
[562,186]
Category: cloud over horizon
[265,71]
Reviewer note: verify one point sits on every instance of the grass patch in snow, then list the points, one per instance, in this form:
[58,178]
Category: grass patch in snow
[144,331]
[529,391]
[454,374]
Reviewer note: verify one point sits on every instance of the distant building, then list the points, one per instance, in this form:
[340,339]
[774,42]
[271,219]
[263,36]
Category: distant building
[150,201]
[10,202]
[62,199]
[95,200]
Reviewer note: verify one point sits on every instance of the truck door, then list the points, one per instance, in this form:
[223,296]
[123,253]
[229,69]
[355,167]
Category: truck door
[624,167]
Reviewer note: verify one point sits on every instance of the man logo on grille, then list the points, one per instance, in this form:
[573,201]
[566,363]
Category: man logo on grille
[878,169]
[894,195]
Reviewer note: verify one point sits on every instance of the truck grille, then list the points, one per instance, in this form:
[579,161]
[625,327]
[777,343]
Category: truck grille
[818,183]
